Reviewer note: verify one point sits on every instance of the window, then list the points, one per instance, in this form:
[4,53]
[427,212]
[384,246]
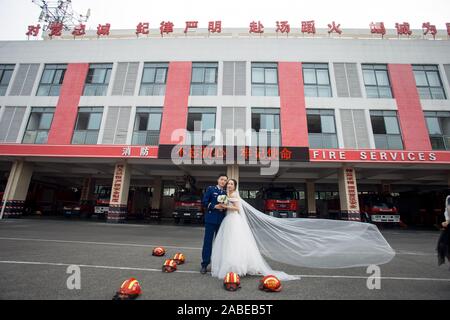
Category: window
[199,121]
[97,79]
[51,80]
[386,130]
[168,191]
[204,79]
[154,79]
[6,71]
[38,125]
[428,82]
[438,124]
[264,79]
[88,125]
[147,126]
[321,129]
[316,79]
[266,124]
[376,80]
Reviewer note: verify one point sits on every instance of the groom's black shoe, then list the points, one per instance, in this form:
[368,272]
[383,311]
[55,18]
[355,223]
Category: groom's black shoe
[203,270]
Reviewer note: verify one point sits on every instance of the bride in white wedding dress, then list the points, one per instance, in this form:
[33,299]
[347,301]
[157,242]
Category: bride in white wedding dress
[247,234]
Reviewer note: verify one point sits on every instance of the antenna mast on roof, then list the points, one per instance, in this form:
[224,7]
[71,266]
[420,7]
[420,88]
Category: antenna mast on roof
[60,12]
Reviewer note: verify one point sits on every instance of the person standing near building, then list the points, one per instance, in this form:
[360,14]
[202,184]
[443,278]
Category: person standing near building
[443,247]
[214,215]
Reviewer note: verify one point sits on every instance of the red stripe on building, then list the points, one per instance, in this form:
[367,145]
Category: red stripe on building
[294,128]
[176,101]
[66,111]
[410,114]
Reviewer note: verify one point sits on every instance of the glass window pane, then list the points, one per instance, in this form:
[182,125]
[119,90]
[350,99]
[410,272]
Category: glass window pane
[421,78]
[6,77]
[210,89]
[46,121]
[322,77]
[433,126]
[258,90]
[433,79]
[99,76]
[41,137]
[445,125]
[391,125]
[314,124]
[43,90]
[198,75]
[424,93]
[271,90]
[89,90]
[149,75]
[380,141]
[159,90]
[437,93]
[437,143]
[141,121]
[309,76]
[196,89]
[210,75]
[47,76]
[194,119]
[382,78]
[59,76]
[324,91]
[94,121]
[369,78]
[329,141]
[378,125]
[385,92]
[271,76]
[258,75]
[160,76]
[33,123]
[155,122]
[82,122]
[395,142]
[328,124]
[372,92]
[315,141]
[311,91]
[208,121]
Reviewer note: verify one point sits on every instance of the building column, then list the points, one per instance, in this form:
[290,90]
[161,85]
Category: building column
[16,190]
[233,172]
[348,193]
[87,193]
[118,204]
[311,198]
[155,211]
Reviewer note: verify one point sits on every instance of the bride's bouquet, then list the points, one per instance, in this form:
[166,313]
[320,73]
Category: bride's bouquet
[223,199]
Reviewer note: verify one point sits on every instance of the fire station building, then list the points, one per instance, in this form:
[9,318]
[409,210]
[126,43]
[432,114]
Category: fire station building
[355,114]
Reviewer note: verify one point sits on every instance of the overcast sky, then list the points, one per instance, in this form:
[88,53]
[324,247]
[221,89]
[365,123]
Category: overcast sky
[16,15]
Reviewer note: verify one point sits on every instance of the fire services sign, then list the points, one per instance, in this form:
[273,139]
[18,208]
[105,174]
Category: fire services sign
[380,156]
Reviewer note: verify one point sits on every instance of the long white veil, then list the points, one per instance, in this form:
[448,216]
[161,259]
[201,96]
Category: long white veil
[317,243]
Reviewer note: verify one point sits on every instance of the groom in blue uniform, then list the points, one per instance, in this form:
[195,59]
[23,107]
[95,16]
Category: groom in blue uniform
[214,214]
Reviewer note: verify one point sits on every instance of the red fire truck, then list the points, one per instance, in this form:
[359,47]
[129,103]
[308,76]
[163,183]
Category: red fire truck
[378,209]
[280,202]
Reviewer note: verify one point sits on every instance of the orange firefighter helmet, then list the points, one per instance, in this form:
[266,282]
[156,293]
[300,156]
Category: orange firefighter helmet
[231,282]
[270,284]
[169,266]
[179,258]
[159,251]
[130,289]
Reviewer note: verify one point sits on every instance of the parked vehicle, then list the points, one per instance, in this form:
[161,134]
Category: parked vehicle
[280,202]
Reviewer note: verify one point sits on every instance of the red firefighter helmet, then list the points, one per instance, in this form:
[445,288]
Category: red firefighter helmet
[179,258]
[159,251]
[270,284]
[130,289]
[231,282]
[169,266]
